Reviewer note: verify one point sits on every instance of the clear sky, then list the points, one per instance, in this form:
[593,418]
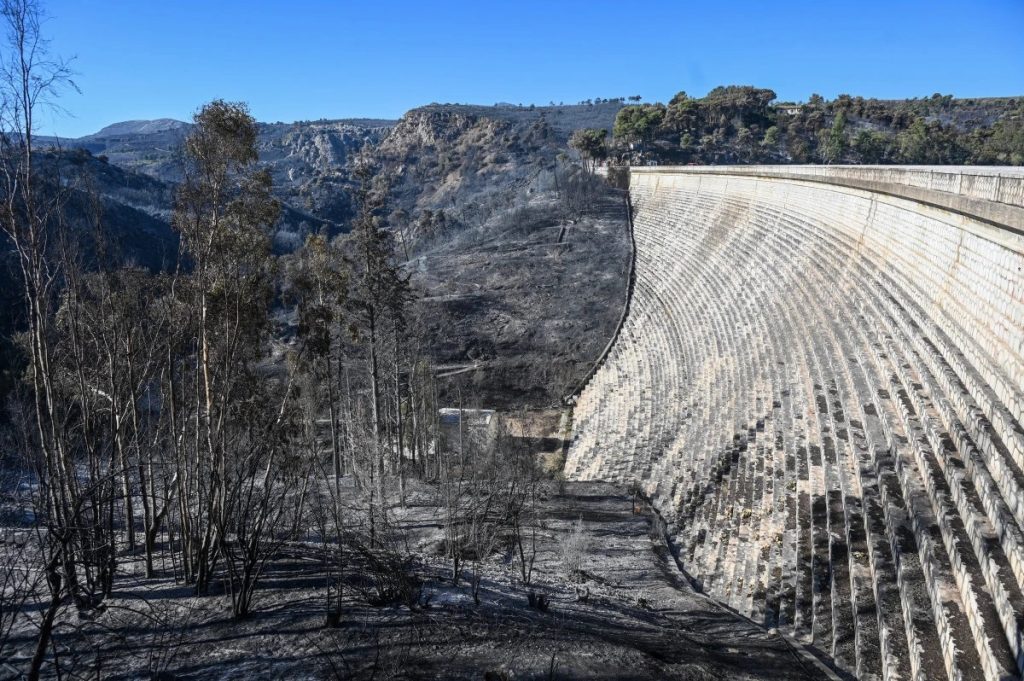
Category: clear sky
[307,59]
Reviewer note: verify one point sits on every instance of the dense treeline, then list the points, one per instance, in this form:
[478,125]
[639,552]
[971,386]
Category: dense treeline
[743,124]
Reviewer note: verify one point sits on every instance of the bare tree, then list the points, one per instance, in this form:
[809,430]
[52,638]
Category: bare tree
[31,218]
[485,524]
[521,497]
[318,284]
[20,579]
[573,549]
[378,298]
[255,493]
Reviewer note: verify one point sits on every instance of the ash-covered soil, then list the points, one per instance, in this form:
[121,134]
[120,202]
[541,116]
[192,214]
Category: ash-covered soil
[521,312]
[627,614]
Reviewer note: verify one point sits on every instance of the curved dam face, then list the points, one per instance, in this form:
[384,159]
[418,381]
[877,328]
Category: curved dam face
[819,382]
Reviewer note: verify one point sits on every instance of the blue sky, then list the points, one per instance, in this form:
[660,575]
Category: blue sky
[306,59]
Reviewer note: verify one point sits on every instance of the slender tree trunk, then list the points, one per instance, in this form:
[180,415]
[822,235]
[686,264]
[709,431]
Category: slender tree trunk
[376,465]
[414,414]
[46,625]
[349,439]
[398,415]
[148,503]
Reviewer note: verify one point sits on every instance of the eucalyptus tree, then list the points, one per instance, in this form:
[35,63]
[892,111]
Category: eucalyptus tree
[224,212]
[378,299]
[592,145]
[317,283]
[117,331]
[31,218]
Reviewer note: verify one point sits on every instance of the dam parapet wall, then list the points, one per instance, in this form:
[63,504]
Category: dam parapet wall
[991,193]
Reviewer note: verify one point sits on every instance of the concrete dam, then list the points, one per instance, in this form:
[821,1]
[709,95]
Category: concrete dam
[820,383]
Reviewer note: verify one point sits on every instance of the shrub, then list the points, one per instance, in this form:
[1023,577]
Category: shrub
[391,577]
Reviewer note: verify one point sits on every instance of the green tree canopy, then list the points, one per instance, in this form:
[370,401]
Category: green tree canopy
[746,103]
[683,113]
[592,145]
[1005,143]
[872,147]
[639,123]
[834,140]
[931,143]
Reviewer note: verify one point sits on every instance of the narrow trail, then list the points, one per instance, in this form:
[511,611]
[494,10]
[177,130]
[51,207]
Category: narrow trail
[631,560]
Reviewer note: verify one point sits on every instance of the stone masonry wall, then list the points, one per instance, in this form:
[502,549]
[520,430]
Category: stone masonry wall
[821,383]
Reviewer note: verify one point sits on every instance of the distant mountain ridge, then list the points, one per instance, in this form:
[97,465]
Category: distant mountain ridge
[139,127]
[471,194]
[310,161]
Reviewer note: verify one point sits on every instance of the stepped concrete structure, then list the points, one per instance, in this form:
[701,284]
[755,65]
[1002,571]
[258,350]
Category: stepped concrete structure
[820,381]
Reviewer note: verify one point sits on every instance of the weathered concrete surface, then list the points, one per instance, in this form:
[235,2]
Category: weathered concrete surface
[991,193]
[821,383]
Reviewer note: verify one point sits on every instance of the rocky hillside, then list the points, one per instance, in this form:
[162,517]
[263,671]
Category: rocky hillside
[519,262]
[311,163]
[309,160]
[435,156]
[463,157]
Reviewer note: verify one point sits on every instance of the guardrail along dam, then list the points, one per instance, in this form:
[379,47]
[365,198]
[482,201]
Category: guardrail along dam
[820,383]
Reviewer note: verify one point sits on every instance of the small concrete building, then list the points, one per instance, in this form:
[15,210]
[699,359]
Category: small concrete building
[475,429]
